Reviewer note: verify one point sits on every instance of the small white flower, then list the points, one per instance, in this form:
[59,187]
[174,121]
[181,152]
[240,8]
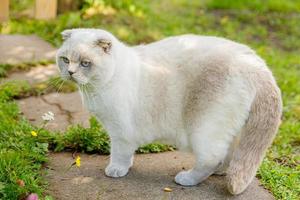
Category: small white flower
[48,116]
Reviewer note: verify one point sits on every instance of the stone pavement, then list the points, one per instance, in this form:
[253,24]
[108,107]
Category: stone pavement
[24,48]
[36,74]
[67,108]
[150,174]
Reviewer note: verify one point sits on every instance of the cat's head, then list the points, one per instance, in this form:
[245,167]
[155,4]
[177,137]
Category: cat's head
[86,56]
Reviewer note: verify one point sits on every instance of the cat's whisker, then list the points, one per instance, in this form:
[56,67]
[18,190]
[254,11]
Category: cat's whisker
[51,85]
[83,93]
[86,94]
[92,101]
[60,87]
[91,87]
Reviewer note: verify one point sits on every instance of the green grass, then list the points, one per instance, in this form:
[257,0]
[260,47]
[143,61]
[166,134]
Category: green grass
[271,27]
[53,84]
[21,156]
[5,69]
[256,5]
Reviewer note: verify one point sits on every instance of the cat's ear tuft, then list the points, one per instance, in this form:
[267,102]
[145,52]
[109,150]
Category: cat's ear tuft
[66,34]
[104,44]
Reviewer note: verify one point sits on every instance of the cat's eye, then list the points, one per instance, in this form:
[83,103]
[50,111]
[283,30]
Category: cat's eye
[65,60]
[85,63]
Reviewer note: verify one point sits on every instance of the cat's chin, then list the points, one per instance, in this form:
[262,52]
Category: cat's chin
[65,78]
[78,82]
[73,80]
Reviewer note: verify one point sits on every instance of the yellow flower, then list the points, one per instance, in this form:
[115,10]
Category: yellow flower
[33,133]
[224,20]
[77,161]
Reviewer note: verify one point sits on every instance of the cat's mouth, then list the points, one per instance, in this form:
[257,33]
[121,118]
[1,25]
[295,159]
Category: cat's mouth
[77,80]
[72,79]
[69,78]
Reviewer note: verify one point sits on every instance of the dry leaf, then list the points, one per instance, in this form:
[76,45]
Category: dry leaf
[166,189]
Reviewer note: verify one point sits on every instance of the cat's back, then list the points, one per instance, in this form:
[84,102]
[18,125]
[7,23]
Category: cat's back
[191,61]
[203,65]
[186,42]
[193,51]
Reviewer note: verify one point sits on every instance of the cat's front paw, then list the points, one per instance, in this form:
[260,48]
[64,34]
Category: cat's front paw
[186,178]
[115,171]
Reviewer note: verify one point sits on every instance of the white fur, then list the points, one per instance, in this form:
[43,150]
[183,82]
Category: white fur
[140,93]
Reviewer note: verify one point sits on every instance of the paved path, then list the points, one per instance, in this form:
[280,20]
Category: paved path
[150,174]
[36,74]
[67,108]
[20,48]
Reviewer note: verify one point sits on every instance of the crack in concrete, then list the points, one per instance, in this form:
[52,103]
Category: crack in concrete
[61,109]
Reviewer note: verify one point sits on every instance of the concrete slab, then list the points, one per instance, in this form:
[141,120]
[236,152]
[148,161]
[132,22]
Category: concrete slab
[24,48]
[67,108]
[150,174]
[34,75]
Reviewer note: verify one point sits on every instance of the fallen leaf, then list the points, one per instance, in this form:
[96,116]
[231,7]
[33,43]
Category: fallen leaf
[166,189]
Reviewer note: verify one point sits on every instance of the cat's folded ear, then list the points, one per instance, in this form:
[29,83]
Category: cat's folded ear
[105,44]
[66,34]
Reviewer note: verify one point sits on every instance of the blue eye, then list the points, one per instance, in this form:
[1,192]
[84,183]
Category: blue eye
[85,63]
[65,60]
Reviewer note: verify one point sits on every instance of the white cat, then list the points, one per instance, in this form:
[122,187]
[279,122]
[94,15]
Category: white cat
[211,96]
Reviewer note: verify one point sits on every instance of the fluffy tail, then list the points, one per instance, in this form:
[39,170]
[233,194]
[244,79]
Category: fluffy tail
[257,135]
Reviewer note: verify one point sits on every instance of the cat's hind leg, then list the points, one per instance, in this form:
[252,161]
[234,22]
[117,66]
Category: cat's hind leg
[211,140]
[210,154]
[222,169]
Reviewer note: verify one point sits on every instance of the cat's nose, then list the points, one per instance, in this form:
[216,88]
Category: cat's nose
[71,72]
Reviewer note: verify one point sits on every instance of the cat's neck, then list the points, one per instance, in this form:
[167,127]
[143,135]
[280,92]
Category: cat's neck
[123,86]
[127,70]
